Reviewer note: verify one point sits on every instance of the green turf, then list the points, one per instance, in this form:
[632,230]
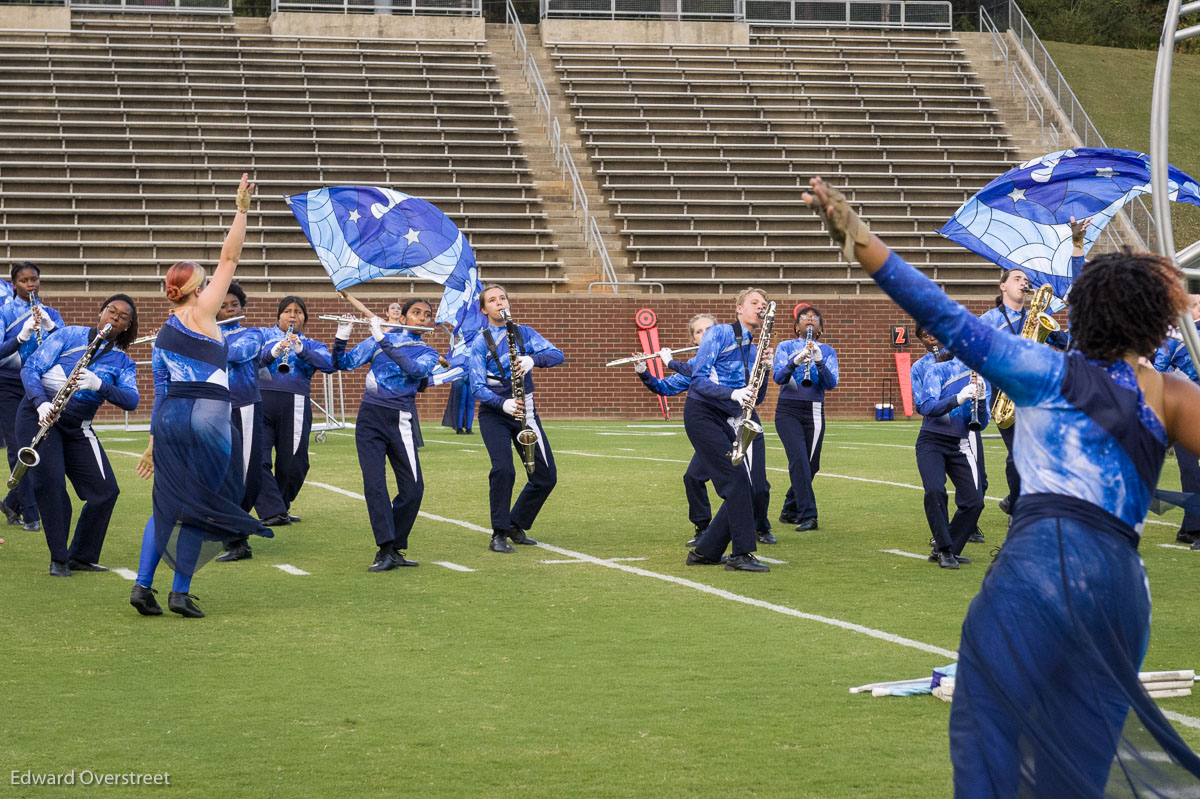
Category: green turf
[1119,105]
[521,677]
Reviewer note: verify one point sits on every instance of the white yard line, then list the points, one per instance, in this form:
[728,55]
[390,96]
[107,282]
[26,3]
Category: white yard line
[769,560]
[452,566]
[290,569]
[126,573]
[905,554]
[1175,546]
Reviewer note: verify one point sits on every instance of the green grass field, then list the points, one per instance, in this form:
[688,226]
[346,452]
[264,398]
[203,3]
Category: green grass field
[593,677]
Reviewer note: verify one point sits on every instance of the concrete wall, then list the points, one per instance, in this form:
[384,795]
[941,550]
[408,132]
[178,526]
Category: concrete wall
[378,26]
[35,17]
[644,30]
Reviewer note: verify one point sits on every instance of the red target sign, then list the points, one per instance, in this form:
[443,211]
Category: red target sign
[645,319]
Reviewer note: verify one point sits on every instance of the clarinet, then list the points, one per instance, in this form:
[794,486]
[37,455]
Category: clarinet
[745,430]
[976,422]
[27,457]
[35,309]
[809,367]
[285,365]
[526,438]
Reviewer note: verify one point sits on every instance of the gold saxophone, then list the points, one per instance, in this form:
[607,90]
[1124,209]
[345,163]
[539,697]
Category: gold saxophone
[745,429]
[1038,327]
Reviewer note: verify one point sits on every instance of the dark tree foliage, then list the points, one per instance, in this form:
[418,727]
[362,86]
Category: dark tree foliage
[1134,24]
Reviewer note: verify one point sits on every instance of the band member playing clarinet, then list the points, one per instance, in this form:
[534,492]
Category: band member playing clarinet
[805,369]
[26,324]
[70,449]
[500,418]
[400,361]
[285,369]
[721,371]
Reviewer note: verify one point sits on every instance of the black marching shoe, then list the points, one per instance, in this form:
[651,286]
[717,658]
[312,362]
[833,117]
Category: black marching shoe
[745,563]
[766,537]
[59,568]
[517,536]
[1004,506]
[293,519]
[1188,538]
[11,515]
[695,539]
[694,558]
[278,520]
[403,561]
[1196,547]
[789,518]
[238,550]
[963,559]
[500,543]
[386,559]
[32,527]
[976,537]
[806,525]
[143,599]
[183,605]
[946,560]
[81,566]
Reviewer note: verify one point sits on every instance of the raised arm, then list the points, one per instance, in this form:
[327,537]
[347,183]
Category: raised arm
[210,299]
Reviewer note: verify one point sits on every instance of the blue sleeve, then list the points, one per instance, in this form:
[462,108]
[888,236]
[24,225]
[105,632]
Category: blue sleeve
[1028,372]
[782,367]
[123,393]
[1164,356]
[827,369]
[715,340]
[1077,262]
[10,344]
[42,360]
[362,353]
[682,368]
[247,346]
[544,353]
[1058,339]
[317,355]
[666,387]
[162,378]
[265,358]
[415,365]
[478,375]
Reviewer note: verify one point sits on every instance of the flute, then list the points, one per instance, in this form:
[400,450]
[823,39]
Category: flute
[647,356]
[154,335]
[358,320]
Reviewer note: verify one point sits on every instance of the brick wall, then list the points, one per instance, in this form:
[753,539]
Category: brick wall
[591,331]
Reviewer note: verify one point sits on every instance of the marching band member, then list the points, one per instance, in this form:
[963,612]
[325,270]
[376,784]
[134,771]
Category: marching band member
[720,372]
[800,411]
[1173,356]
[287,410]
[26,324]
[395,313]
[246,408]
[191,439]
[1050,648]
[695,486]
[943,392]
[70,449]
[491,384]
[400,361]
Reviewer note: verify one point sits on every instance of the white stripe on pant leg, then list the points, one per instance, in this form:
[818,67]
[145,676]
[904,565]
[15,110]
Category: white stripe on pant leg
[86,427]
[297,420]
[977,450]
[967,447]
[818,426]
[247,412]
[531,420]
[407,436]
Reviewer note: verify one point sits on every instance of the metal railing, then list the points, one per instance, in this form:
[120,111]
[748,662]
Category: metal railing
[461,8]
[155,6]
[891,14]
[700,10]
[1015,77]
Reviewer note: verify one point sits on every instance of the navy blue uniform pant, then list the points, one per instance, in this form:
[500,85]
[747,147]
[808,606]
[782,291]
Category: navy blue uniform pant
[499,431]
[1189,479]
[287,421]
[21,498]
[70,451]
[247,450]
[710,431]
[939,456]
[382,436]
[801,428]
[1010,469]
[695,488]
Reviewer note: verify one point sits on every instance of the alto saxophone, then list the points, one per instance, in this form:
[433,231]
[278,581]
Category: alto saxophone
[745,429]
[526,438]
[1038,327]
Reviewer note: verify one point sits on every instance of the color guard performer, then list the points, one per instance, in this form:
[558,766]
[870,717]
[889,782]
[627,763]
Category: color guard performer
[804,368]
[720,373]
[1172,356]
[70,449]
[285,369]
[491,384]
[400,362]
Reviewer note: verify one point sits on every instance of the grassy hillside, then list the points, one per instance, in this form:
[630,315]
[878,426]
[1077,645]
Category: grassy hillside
[1114,86]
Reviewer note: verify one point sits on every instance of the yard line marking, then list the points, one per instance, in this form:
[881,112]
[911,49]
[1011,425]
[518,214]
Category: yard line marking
[123,452]
[571,560]
[1182,719]
[843,447]
[770,560]
[1174,546]
[290,569]
[126,573]
[902,552]
[616,559]
[452,566]
[336,490]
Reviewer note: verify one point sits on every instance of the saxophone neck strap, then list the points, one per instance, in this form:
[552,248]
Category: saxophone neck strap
[737,340]
[491,345]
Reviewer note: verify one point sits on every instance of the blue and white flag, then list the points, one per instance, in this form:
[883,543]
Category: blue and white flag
[362,232]
[1022,219]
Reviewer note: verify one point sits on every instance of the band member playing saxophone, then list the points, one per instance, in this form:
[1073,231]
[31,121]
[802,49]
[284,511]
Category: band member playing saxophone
[502,418]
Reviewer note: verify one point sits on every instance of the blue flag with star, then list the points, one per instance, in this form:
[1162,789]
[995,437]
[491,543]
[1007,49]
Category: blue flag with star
[362,232]
[1021,220]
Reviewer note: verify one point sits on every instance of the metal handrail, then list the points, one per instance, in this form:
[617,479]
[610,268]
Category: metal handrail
[468,8]
[910,14]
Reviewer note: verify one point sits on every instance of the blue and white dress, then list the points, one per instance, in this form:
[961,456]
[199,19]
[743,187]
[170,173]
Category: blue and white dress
[196,488]
[1051,646]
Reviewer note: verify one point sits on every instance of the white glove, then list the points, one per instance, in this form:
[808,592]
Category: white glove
[279,347]
[799,358]
[47,323]
[526,364]
[967,393]
[44,412]
[817,355]
[297,345]
[510,407]
[377,328]
[344,330]
[639,367]
[740,395]
[26,330]
[89,380]
[664,355]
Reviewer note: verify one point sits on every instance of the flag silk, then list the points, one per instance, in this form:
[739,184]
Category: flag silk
[362,232]
[1022,219]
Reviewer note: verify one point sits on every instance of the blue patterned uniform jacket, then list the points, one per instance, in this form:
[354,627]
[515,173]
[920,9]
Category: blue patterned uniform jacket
[245,344]
[672,385]
[398,365]
[491,382]
[6,292]
[1084,429]
[1173,356]
[935,388]
[784,372]
[13,353]
[46,372]
[315,357]
[721,365]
